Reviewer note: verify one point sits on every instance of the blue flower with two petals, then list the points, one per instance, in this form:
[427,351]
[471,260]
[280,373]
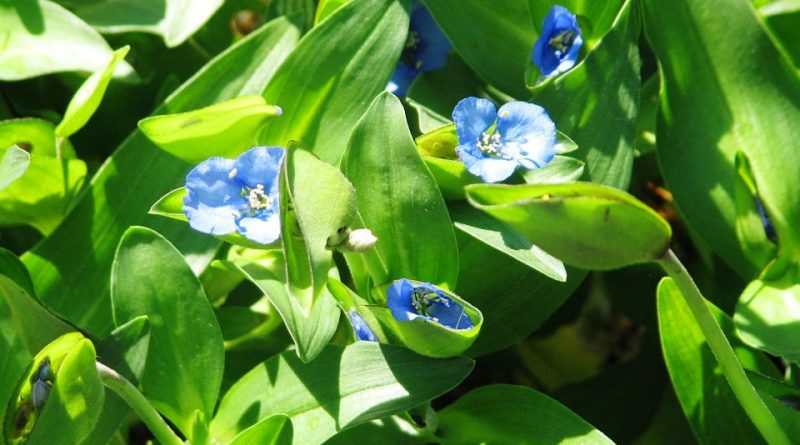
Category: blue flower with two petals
[556,50]
[426,50]
[360,327]
[492,143]
[409,301]
[227,196]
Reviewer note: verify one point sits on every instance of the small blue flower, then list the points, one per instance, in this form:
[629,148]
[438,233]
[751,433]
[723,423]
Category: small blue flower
[409,301]
[360,327]
[557,48]
[41,383]
[492,144]
[236,196]
[769,229]
[426,50]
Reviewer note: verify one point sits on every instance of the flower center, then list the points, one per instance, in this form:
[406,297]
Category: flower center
[257,198]
[409,56]
[422,299]
[490,143]
[562,42]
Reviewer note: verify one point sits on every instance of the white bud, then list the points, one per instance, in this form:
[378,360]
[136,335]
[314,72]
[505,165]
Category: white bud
[360,240]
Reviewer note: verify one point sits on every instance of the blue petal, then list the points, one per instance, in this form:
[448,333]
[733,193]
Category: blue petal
[263,229]
[40,391]
[260,165]
[493,170]
[360,327]
[527,131]
[401,80]
[398,299]
[449,313]
[543,55]
[212,198]
[433,47]
[472,117]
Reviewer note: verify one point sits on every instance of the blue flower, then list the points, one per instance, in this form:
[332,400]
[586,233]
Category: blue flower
[769,229]
[492,144]
[227,196]
[360,327]
[557,48]
[409,301]
[426,50]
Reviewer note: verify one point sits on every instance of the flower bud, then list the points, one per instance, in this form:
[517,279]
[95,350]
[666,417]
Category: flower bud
[347,240]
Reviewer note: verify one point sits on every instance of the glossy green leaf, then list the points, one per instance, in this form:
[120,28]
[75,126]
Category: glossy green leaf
[312,326]
[499,236]
[766,315]
[342,388]
[571,217]
[313,188]
[325,86]
[42,37]
[705,395]
[14,359]
[86,100]
[560,170]
[225,129]
[494,38]
[715,103]
[43,195]
[781,16]
[429,337]
[274,430]
[174,20]
[36,136]
[398,198]
[75,261]
[13,164]
[73,405]
[151,278]
[596,103]
[750,230]
[513,414]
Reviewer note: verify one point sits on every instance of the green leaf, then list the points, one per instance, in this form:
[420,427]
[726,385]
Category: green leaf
[41,37]
[174,20]
[313,188]
[596,103]
[494,38]
[502,238]
[513,414]
[75,261]
[326,8]
[311,327]
[398,198]
[225,129]
[274,430]
[14,359]
[569,218]
[513,300]
[86,100]
[342,388]
[705,395]
[766,314]
[44,194]
[750,230]
[13,164]
[428,337]
[34,324]
[151,278]
[560,170]
[325,86]
[714,105]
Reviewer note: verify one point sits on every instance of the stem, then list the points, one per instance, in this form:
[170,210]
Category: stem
[140,405]
[747,395]
[375,267]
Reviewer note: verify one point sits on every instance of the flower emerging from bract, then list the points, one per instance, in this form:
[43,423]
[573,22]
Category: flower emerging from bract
[360,327]
[492,144]
[227,196]
[557,48]
[409,301]
[426,50]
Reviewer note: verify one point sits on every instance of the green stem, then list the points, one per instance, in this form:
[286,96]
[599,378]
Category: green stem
[755,408]
[375,267]
[140,405]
